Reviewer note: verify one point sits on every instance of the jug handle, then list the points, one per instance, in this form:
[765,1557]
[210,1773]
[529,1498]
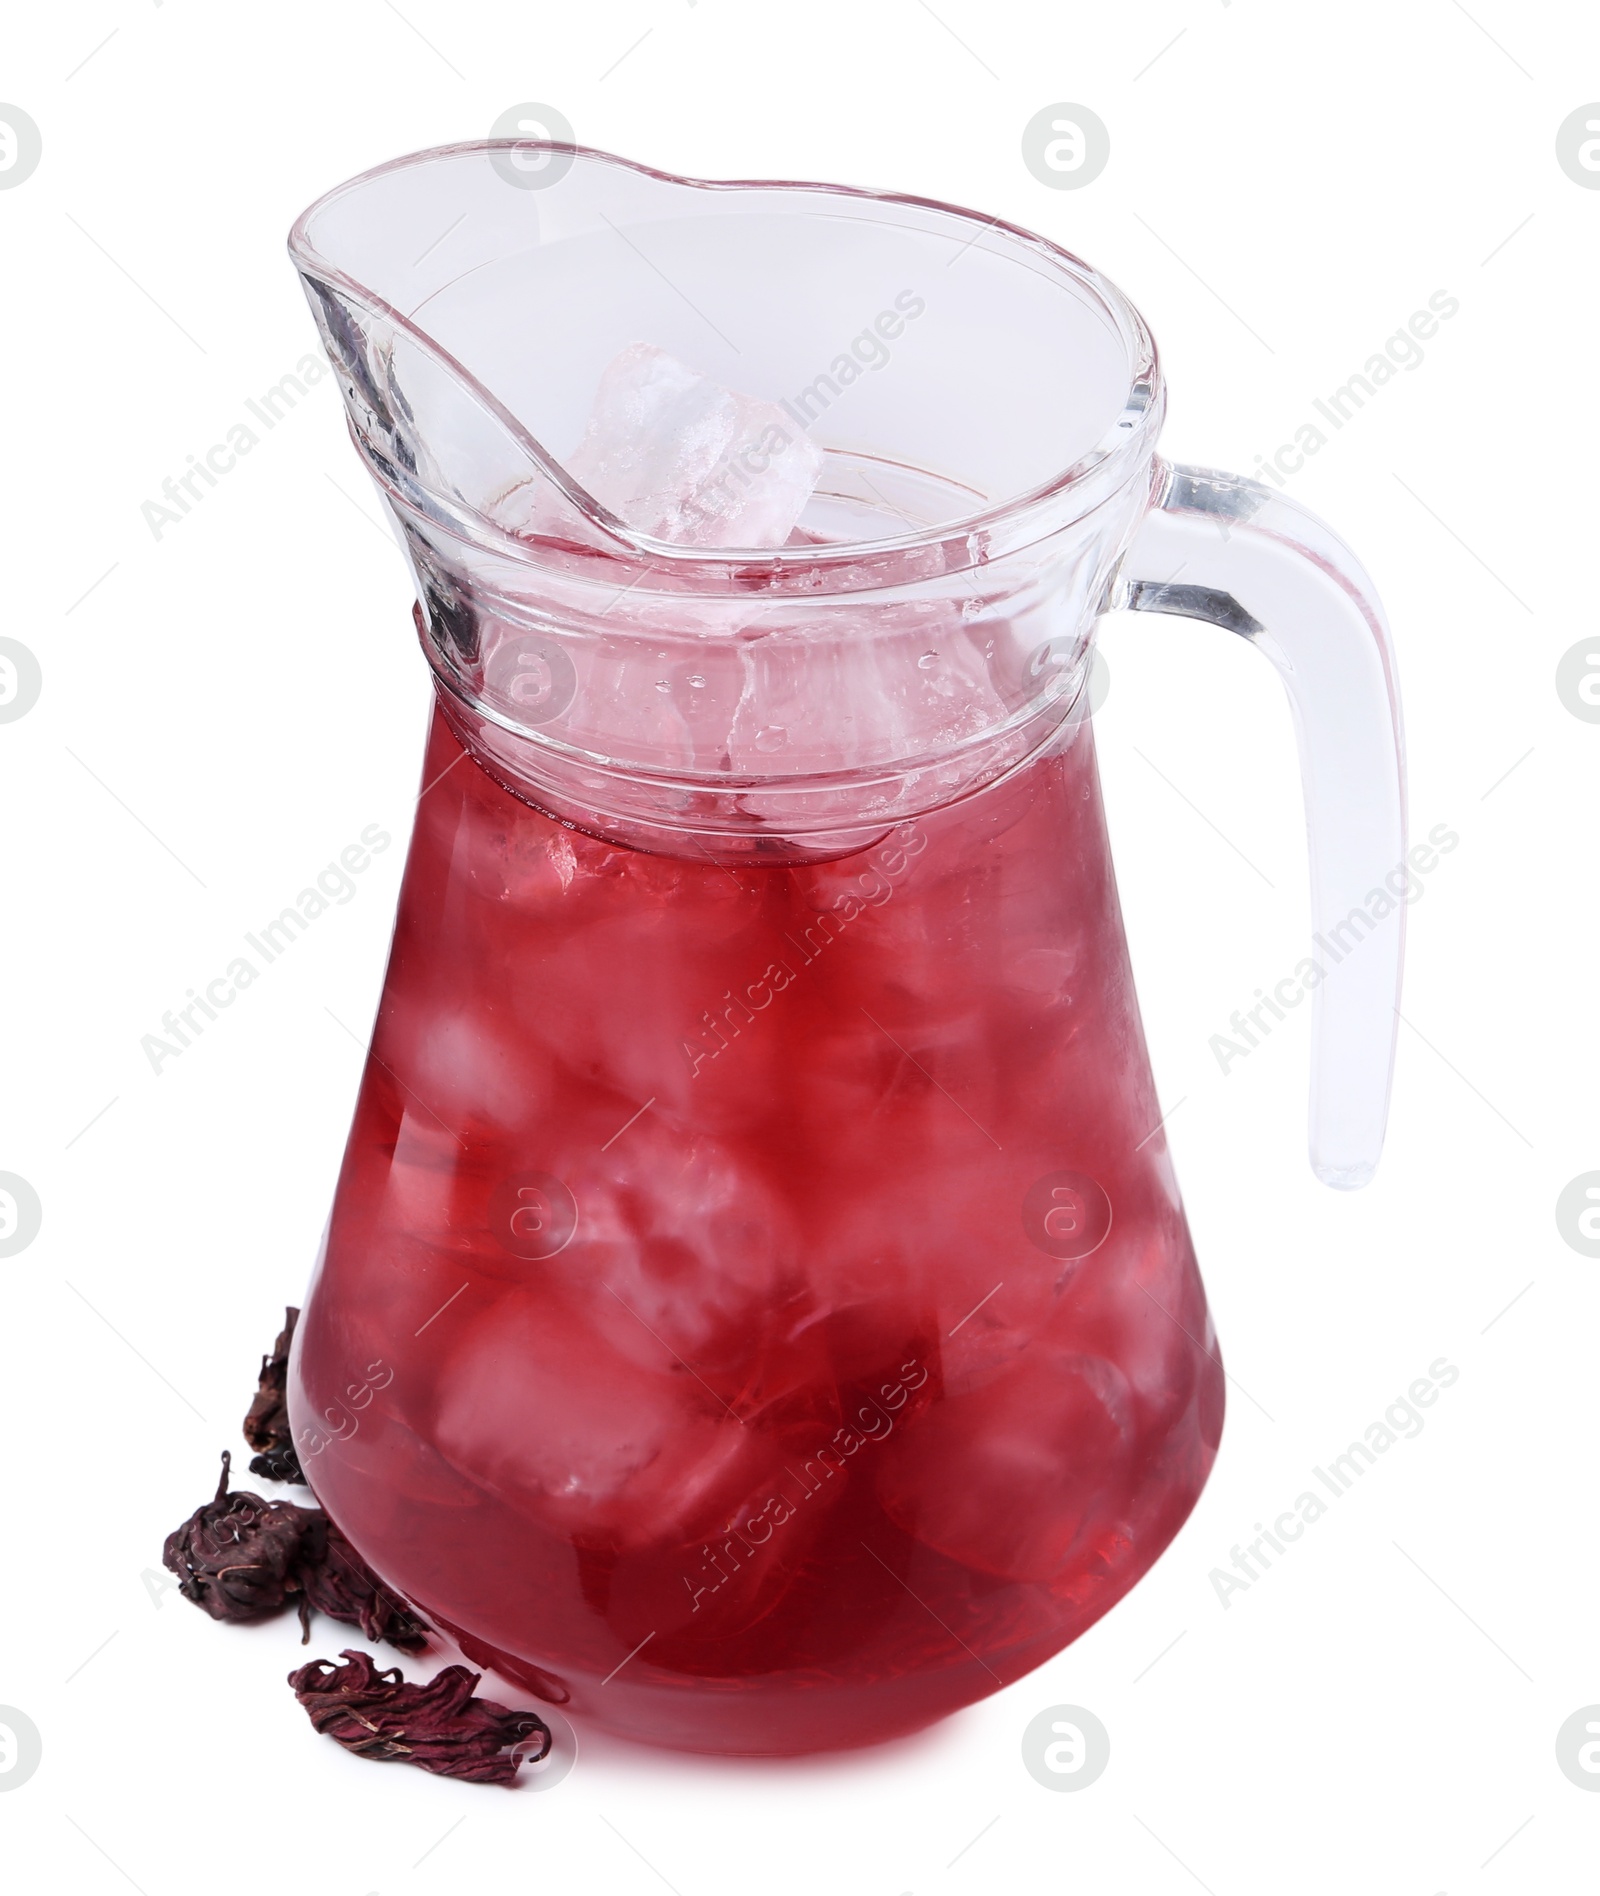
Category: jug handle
[1234,553]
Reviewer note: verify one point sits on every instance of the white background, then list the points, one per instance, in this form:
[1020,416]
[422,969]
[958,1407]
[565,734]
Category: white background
[225,709]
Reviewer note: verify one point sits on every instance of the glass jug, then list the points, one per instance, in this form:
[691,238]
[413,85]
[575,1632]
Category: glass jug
[757,1307]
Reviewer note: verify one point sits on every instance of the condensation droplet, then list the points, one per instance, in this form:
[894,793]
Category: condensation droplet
[927,661]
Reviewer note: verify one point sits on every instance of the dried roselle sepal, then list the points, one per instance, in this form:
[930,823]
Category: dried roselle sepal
[439,1726]
[238,1556]
[278,1464]
[339,1582]
[266,1427]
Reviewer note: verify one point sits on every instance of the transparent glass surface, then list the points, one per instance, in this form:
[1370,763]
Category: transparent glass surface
[756,1188]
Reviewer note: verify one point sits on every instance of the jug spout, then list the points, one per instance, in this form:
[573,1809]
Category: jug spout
[439,440]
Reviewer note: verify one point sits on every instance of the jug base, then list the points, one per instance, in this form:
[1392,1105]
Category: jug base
[737,1723]
[800,1714]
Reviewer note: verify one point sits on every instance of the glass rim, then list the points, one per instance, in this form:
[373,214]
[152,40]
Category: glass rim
[1125,445]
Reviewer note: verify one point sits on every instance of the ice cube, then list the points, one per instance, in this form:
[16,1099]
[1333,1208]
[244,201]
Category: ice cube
[865,684]
[536,1410]
[1009,1478]
[684,1258]
[684,459]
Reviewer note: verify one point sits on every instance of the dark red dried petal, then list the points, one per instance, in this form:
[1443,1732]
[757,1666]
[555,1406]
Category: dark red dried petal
[237,1557]
[279,1464]
[339,1583]
[266,1427]
[438,1726]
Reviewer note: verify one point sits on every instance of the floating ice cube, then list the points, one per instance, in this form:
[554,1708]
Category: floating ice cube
[865,684]
[534,1408]
[684,459]
[684,1257]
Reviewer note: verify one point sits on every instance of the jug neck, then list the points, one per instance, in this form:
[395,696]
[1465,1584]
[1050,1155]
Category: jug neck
[784,725]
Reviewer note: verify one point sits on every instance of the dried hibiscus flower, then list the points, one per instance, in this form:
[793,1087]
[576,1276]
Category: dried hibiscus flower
[439,1726]
[242,1558]
[266,1427]
[341,1584]
[238,1556]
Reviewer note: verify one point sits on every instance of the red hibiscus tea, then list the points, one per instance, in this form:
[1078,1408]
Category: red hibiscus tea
[701,1263]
